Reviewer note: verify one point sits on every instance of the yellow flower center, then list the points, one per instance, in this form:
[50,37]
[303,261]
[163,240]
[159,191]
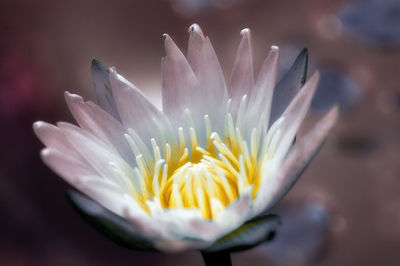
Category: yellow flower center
[207,179]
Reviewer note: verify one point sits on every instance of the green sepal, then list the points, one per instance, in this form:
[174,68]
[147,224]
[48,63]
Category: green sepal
[252,233]
[107,223]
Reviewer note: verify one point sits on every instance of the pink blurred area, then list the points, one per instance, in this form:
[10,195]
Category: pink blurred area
[46,47]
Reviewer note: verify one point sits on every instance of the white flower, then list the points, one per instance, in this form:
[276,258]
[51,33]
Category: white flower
[216,156]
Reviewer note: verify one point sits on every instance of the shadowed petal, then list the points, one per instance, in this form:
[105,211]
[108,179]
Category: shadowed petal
[103,90]
[289,86]
[294,115]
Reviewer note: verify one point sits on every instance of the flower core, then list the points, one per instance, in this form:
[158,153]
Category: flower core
[209,178]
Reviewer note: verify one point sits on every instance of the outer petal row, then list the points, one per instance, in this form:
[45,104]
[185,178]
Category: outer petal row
[277,185]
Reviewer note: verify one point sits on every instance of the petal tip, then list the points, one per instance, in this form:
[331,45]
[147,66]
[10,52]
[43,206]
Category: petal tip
[274,48]
[195,28]
[44,153]
[37,124]
[245,32]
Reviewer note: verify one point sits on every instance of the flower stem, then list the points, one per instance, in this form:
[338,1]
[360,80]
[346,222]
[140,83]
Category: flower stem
[217,258]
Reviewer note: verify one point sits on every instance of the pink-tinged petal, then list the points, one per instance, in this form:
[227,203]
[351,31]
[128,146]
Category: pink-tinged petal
[289,86]
[136,111]
[212,95]
[179,83]
[196,42]
[98,122]
[241,80]
[100,156]
[295,163]
[102,87]
[259,105]
[107,193]
[66,165]
[52,137]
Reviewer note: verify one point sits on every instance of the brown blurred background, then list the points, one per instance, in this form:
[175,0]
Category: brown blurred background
[345,210]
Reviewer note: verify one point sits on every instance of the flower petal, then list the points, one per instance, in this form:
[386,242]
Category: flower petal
[52,137]
[289,86]
[93,119]
[136,111]
[259,105]
[187,229]
[101,157]
[196,42]
[294,165]
[292,118]
[179,83]
[212,94]
[241,80]
[102,87]
[237,212]
[66,165]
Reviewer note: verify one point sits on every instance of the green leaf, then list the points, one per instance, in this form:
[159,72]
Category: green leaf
[250,234]
[108,223]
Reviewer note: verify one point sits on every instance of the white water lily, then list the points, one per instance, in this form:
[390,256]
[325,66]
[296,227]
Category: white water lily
[216,156]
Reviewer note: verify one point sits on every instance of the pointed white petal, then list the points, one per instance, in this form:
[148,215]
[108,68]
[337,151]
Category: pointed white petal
[212,94]
[68,166]
[52,137]
[95,120]
[99,156]
[260,99]
[136,111]
[102,86]
[241,80]
[278,184]
[179,83]
[196,42]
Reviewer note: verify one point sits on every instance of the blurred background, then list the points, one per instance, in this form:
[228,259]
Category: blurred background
[345,210]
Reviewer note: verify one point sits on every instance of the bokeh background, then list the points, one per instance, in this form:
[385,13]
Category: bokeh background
[345,210]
